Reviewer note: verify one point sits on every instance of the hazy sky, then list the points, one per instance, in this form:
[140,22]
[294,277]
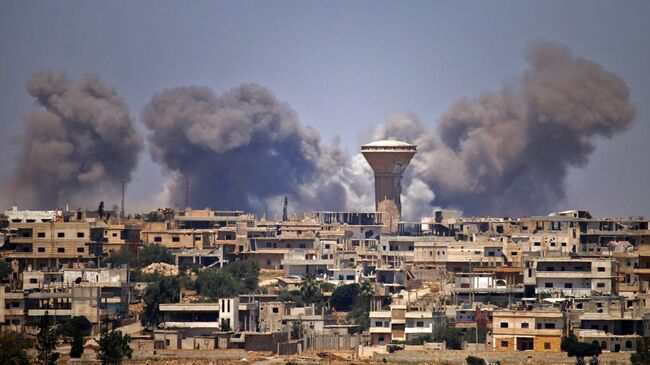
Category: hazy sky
[343,66]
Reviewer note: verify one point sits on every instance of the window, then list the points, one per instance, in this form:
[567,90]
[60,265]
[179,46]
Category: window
[197,238]
[547,345]
[568,285]
[302,245]
[524,325]
[601,269]
[268,244]
[60,250]
[504,344]
[157,239]
[548,285]
[41,249]
[537,244]
[41,234]
[80,249]
[115,234]
[504,324]
[33,280]
[600,285]
[379,324]
[513,253]
[176,239]
[549,326]
[80,235]
[60,234]
[419,324]
[276,310]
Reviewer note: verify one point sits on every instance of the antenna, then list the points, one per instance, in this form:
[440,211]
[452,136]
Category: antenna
[187,193]
[122,215]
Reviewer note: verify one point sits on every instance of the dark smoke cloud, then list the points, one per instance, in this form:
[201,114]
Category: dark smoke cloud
[243,149]
[508,152]
[79,149]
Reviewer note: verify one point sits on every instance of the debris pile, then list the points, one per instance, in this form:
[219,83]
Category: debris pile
[161,268]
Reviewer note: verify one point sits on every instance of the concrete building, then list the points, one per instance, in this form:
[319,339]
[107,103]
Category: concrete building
[521,330]
[388,160]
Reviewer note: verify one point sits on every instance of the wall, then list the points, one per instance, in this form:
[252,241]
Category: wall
[528,357]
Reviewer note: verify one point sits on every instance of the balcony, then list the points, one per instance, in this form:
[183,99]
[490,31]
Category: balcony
[51,312]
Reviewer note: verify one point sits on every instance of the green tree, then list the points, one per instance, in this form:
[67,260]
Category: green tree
[121,257]
[114,347]
[580,350]
[5,271]
[248,272]
[100,209]
[473,360]
[344,296]
[165,290]
[452,337]
[642,354]
[152,253]
[75,325]
[360,313]
[77,348]
[13,348]
[46,341]
[215,284]
[471,335]
[225,325]
[310,289]
[296,330]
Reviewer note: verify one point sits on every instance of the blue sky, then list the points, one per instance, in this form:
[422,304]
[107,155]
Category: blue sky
[343,66]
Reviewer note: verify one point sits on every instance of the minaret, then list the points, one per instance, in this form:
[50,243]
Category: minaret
[388,160]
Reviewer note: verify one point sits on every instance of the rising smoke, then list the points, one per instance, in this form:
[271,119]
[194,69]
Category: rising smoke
[79,149]
[241,150]
[509,152]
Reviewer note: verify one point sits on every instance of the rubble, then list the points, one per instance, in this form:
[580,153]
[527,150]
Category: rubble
[161,268]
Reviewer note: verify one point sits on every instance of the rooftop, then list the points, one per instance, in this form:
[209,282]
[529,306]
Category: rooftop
[388,145]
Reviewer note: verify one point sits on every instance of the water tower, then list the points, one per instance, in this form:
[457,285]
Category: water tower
[388,160]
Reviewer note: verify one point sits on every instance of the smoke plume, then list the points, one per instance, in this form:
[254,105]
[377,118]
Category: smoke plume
[508,152]
[78,149]
[242,150]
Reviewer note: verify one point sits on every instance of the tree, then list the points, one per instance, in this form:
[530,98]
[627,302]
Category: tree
[46,342]
[215,284]
[580,350]
[100,210]
[114,347]
[149,254]
[225,325]
[360,311]
[642,354]
[5,271]
[75,325]
[473,360]
[310,289]
[165,290]
[248,272]
[451,336]
[344,296]
[13,348]
[77,348]
[296,330]
[121,257]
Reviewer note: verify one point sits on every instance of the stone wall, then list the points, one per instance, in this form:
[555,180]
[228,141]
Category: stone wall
[527,357]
